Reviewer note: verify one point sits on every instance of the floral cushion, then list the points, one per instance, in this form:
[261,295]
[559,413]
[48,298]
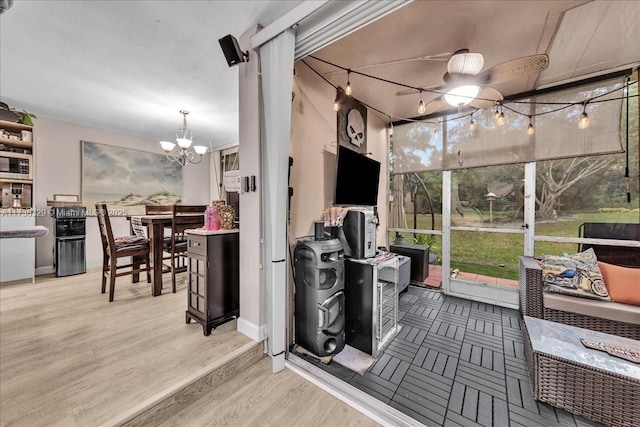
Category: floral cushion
[575,275]
[131,242]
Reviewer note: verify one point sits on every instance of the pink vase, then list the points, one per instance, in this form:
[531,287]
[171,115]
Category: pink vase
[211,219]
[216,218]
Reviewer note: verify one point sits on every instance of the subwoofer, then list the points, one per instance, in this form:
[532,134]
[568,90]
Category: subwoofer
[319,297]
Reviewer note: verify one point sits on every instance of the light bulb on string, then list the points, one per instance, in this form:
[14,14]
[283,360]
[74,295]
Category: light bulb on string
[421,107]
[496,115]
[472,125]
[530,129]
[390,129]
[347,88]
[501,119]
[583,122]
[336,104]
[435,133]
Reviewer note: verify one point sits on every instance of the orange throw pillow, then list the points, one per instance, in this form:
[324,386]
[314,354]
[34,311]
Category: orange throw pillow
[623,283]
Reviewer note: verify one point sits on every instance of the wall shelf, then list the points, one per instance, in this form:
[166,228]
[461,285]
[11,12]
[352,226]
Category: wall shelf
[19,126]
[16,143]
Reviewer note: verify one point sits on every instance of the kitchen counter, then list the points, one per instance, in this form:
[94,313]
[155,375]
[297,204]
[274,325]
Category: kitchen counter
[203,232]
[17,255]
[23,232]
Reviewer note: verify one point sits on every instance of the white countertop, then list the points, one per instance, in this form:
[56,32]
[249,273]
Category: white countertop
[203,232]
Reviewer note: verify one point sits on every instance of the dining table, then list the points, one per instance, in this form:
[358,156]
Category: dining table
[156,225]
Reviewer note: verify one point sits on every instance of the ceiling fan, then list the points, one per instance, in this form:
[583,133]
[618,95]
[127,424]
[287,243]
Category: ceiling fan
[465,84]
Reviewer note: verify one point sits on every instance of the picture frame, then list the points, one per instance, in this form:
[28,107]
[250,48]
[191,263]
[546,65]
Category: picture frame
[352,123]
[127,179]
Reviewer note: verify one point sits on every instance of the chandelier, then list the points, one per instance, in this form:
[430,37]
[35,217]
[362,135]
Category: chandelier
[181,153]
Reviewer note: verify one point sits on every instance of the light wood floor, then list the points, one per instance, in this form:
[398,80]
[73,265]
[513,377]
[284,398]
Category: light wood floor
[68,357]
[258,397]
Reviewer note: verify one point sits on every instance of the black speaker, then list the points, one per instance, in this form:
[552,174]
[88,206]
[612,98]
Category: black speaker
[318,230]
[319,297]
[232,52]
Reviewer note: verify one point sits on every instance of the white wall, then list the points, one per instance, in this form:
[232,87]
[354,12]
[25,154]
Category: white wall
[313,148]
[252,317]
[59,171]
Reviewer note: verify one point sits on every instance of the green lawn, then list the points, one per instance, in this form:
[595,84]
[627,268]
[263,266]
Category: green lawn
[496,254]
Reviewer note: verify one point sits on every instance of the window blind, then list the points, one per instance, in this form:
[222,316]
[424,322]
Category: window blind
[448,142]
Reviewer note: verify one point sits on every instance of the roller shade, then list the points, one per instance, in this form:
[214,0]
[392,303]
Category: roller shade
[451,144]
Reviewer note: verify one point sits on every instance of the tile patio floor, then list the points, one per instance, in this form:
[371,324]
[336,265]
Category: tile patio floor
[456,362]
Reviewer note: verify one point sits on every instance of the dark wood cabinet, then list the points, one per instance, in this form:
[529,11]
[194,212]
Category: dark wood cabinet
[213,263]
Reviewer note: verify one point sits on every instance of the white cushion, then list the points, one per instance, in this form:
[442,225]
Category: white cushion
[626,313]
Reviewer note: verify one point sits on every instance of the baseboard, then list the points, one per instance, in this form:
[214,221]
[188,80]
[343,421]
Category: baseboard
[253,331]
[176,398]
[480,292]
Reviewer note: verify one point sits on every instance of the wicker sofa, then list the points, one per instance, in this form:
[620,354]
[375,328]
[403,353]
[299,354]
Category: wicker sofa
[608,317]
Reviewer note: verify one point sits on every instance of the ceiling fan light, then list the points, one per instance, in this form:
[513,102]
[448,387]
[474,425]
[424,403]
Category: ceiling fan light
[461,95]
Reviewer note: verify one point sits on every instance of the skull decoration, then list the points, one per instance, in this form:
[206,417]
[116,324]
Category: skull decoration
[355,127]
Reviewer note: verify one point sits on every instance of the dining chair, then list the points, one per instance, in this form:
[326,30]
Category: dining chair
[135,246]
[184,217]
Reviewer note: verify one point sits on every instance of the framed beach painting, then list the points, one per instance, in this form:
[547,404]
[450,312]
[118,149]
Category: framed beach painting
[127,180]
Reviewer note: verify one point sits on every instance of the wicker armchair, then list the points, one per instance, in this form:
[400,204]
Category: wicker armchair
[532,304]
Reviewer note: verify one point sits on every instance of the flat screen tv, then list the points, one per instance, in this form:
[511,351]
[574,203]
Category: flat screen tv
[357,178]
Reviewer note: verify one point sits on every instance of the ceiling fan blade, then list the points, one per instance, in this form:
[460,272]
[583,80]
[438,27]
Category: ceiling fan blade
[486,98]
[426,90]
[407,92]
[515,68]
[440,57]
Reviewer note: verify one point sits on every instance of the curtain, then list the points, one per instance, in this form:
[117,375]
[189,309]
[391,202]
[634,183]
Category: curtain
[276,60]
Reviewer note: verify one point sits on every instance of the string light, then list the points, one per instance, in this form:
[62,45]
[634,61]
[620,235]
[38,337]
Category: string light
[390,129]
[530,129]
[583,122]
[501,119]
[347,88]
[472,125]
[421,107]
[435,133]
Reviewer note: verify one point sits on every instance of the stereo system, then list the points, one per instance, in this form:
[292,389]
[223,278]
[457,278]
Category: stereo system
[319,298]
